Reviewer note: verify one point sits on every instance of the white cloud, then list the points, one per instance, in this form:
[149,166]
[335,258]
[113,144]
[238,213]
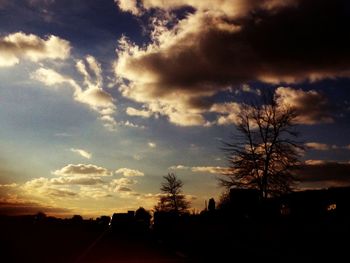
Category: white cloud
[129,172]
[178,167]
[137,157]
[82,169]
[17,46]
[122,184]
[248,89]
[232,8]
[201,169]
[152,144]
[43,186]
[135,112]
[13,185]
[131,124]
[82,153]
[90,94]
[94,192]
[228,112]
[210,169]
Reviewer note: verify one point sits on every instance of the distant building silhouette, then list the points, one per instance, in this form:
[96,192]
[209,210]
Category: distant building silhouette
[123,222]
[313,204]
[211,205]
[299,205]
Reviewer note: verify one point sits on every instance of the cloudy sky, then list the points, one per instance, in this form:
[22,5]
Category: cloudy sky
[100,99]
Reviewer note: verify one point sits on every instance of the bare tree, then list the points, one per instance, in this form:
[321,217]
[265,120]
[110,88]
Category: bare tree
[262,155]
[172,199]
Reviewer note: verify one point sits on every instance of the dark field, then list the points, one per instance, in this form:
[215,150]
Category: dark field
[194,240]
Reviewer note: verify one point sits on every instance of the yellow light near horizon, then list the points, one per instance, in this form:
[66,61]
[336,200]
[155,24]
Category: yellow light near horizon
[332,207]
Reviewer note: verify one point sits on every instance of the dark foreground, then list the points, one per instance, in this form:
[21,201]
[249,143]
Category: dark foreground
[196,240]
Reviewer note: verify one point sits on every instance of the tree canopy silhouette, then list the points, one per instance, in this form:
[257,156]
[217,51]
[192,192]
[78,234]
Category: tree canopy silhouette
[265,150]
[172,199]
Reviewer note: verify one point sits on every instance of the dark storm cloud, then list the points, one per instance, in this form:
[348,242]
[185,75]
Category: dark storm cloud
[309,41]
[210,50]
[25,208]
[311,106]
[325,173]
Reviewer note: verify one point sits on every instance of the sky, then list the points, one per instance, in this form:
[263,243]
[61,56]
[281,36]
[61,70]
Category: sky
[100,99]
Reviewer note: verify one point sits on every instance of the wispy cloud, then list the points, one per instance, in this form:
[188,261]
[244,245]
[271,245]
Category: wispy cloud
[91,93]
[82,153]
[135,112]
[152,144]
[129,172]
[201,169]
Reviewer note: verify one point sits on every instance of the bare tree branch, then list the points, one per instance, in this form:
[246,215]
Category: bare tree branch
[263,153]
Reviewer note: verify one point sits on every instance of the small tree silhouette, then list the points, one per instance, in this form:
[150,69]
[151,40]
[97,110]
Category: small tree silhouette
[262,155]
[172,199]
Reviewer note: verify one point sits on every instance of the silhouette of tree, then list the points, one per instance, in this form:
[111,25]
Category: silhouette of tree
[172,199]
[77,219]
[143,215]
[262,155]
[224,201]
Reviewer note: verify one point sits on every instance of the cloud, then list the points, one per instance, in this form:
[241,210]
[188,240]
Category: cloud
[135,112]
[124,189]
[228,112]
[209,169]
[235,8]
[223,44]
[201,169]
[80,180]
[317,146]
[322,173]
[247,89]
[130,6]
[82,153]
[91,93]
[94,192]
[315,162]
[137,157]
[131,124]
[46,187]
[311,106]
[13,185]
[152,144]
[82,169]
[60,193]
[16,206]
[122,184]
[123,181]
[178,167]
[19,45]
[129,172]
